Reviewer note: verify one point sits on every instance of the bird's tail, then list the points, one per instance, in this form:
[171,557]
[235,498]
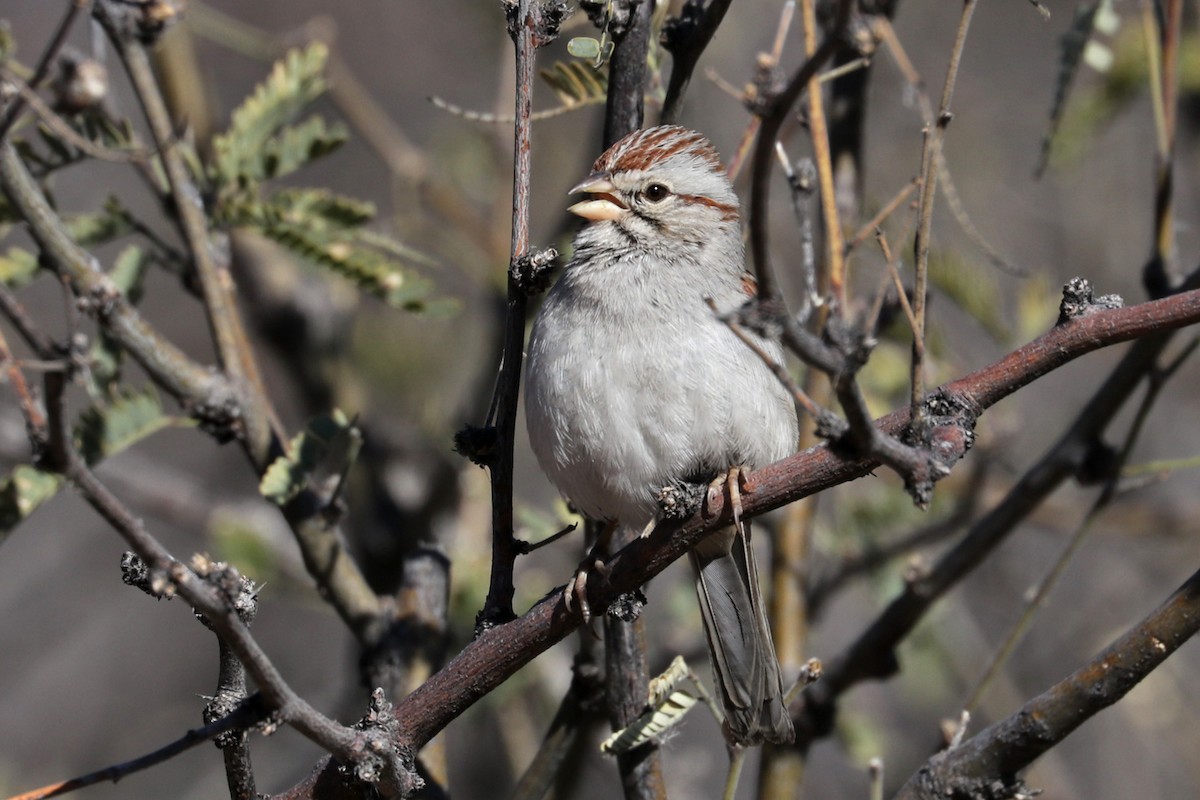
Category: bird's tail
[743,654]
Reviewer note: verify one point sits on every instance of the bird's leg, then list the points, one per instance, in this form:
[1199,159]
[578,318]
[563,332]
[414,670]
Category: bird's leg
[576,589]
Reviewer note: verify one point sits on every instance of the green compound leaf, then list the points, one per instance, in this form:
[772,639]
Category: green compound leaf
[297,145]
[244,152]
[328,444]
[324,229]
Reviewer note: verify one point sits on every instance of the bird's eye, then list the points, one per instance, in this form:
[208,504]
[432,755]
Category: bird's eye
[656,192]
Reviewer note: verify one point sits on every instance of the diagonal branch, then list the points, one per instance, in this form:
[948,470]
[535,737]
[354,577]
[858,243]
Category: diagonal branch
[498,653]
[1004,749]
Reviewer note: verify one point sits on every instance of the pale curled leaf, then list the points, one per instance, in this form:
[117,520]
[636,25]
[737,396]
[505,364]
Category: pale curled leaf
[662,685]
[325,444]
[22,491]
[651,724]
[106,429]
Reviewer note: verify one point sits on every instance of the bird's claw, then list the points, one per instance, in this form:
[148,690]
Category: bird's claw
[731,484]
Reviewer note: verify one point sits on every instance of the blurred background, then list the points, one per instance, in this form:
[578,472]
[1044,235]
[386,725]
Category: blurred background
[94,673]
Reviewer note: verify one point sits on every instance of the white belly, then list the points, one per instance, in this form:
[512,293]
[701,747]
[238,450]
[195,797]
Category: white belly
[611,425]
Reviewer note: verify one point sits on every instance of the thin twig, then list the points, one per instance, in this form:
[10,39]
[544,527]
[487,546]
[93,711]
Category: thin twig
[250,713]
[43,68]
[935,132]
[888,209]
[778,109]
[819,134]
[261,429]
[285,704]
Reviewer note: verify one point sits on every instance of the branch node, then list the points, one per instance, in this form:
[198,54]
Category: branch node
[477,443]
[627,606]
[377,756]
[680,499]
[531,272]
[239,592]
[1079,300]
[137,573]
[141,20]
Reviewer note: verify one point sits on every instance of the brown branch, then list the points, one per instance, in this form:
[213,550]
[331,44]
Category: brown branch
[499,652]
[1002,750]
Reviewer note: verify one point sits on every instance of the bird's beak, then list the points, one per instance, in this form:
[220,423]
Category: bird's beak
[604,203]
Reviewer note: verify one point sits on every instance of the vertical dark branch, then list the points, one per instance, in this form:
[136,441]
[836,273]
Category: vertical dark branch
[531,25]
[627,71]
[627,676]
[685,39]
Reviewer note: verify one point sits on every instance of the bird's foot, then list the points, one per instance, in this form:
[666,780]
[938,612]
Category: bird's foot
[576,588]
[731,484]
